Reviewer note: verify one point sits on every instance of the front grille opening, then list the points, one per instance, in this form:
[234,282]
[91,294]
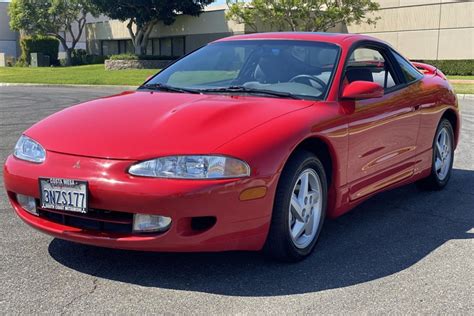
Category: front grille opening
[93,220]
[202,223]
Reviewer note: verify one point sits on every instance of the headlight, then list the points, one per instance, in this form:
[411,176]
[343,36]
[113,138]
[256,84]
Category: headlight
[28,149]
[192,167]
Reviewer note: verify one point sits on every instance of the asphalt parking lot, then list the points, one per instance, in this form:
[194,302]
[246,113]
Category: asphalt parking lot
[403,251]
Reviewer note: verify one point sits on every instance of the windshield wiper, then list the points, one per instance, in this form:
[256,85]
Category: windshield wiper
[165,87]
[243,89]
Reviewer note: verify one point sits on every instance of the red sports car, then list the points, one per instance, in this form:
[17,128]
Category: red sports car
[248,143]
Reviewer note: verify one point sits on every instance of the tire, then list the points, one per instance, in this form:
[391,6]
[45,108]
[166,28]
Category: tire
[288,215]
[439,176]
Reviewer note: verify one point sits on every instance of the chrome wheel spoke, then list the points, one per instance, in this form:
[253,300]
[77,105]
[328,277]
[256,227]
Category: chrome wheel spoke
[298,229]
[309,226]
[443,138]
[438,164]
[313,197]
[303,188]
[445,168]
[439,149]
[296,209]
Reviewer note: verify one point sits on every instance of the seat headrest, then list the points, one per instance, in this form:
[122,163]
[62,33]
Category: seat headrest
[359,74]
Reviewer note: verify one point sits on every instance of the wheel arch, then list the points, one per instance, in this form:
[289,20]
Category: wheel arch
[321,148]
[453,118]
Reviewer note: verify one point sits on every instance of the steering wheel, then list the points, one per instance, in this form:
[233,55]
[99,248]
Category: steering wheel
[308,79]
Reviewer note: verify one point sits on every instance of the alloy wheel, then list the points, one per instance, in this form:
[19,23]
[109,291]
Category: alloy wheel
[305,208]
[443,154]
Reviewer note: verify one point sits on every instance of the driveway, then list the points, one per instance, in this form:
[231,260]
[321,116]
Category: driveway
[403,251]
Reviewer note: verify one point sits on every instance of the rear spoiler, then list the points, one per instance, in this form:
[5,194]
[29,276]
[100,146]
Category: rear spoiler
[429,70]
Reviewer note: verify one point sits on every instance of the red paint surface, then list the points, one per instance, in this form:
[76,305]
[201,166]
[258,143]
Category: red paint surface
[375,144]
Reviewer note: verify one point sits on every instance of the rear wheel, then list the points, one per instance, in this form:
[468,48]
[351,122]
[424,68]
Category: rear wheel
[299,209]
[443,156]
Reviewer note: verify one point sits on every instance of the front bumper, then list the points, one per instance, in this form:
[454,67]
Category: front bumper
[239,225]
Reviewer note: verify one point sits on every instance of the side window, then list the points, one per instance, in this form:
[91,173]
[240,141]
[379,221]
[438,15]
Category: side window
[368,64]
[409,71]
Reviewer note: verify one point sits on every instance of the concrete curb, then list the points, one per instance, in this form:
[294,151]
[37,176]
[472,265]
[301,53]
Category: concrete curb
[46,85]
[465,96]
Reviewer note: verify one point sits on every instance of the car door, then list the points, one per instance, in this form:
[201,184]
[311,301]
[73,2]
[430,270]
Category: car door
[382,131]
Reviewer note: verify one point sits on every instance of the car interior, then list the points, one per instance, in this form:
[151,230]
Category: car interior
[367,64]
[299,68]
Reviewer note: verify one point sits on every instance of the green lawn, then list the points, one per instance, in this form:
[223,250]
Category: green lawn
[461,77]
[463,88]
[90,74]
[97,75]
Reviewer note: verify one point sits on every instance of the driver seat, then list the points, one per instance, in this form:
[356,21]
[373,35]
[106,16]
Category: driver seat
[270,69]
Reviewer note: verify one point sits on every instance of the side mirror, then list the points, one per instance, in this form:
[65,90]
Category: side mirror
[362,90]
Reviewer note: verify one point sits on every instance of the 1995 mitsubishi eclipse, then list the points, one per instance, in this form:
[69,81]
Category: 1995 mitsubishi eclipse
[248,143]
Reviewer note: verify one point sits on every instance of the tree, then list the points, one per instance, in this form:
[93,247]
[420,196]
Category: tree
[300,15]
[52,17]
[142,15]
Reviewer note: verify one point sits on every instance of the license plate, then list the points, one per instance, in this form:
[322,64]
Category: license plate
[63,194]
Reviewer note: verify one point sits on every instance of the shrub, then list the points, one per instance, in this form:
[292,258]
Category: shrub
[95,59]
[10,61]
[462,67]
[140,57]
[80,57]
[124,57]
[21,63]
[46,45]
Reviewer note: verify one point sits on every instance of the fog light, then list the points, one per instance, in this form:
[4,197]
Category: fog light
[28,203]
[146,223]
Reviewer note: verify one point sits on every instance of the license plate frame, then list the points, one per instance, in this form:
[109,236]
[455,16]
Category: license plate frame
[67,191]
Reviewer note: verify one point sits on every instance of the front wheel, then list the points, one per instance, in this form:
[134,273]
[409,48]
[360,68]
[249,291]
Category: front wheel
[299,209]
[442,160]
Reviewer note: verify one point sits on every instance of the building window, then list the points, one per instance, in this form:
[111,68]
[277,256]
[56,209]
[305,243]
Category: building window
[149,47]
[178,46]
[110,48]
[166,47]
[126,47]
[117,47]
[156,47]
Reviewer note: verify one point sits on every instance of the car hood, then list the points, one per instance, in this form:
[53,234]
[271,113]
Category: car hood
[141,124]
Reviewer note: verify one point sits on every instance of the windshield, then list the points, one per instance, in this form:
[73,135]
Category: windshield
[292,68]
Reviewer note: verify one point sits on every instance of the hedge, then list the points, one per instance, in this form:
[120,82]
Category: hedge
[462,67]
[46,45]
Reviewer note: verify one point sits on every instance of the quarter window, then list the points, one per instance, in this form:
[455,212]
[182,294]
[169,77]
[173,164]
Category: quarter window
[409,71]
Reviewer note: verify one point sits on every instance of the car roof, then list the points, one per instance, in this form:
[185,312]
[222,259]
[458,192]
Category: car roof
[335,38]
